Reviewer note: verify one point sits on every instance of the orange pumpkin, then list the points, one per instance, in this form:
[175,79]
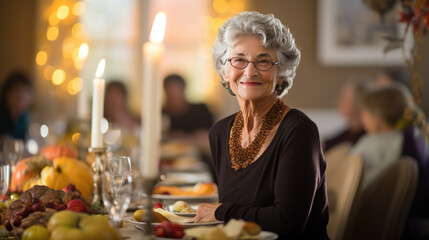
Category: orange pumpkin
[56,151]
[69,170]
[25,170]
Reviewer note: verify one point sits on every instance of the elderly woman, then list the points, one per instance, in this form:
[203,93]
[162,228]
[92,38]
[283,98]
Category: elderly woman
[267,156]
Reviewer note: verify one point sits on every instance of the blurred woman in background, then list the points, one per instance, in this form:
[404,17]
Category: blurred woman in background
[349,106]
[16,96]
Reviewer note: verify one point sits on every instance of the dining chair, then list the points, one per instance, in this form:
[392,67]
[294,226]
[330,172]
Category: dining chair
[337,154]
[381,210]
[342,180]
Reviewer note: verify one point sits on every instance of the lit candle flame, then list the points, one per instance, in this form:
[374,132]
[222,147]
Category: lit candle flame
[83,51]
[158,28]
[100,68]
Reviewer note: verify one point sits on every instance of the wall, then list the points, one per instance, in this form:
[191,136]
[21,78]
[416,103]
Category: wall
[17,19]
[315,86]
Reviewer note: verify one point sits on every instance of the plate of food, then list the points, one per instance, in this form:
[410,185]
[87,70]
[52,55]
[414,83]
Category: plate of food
[185,225]
[161,215]
[234,229]
[184,178]
[200,192]
[181,208]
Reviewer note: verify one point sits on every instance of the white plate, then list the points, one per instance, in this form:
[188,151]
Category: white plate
[195,207]
[185,225]
[268,235]
[185,178]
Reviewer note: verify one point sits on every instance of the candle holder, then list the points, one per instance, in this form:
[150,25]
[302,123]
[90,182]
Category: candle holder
[98,170]
[148,185]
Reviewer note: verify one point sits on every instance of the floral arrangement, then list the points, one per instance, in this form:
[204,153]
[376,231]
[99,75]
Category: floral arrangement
[415,14]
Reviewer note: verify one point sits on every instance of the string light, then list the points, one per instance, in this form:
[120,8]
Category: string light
[41,58]
[58,56]
[79,8]
[63,12]
[52,33]
[58,77]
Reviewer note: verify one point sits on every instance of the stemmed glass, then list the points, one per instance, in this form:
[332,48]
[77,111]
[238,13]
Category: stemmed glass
[117,186]
[13,150]
[4,175]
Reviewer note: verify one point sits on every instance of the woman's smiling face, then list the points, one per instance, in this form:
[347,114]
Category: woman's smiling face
[250,83]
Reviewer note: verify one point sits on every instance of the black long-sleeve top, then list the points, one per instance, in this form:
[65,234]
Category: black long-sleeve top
[284,190]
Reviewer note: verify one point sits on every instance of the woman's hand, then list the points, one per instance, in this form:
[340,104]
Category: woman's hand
[206,212]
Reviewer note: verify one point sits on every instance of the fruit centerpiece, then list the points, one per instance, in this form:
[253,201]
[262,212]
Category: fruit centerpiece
[55,167]
[39,203]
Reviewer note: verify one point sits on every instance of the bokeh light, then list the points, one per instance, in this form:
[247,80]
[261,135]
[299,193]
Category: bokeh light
[44,131]
[53,20]
[63,12]
[104,125]
[78,30]
[58,77]
[48,71]
[41,58]
[220,6]
[76,84]
[52,33]
[68,47]
[79,8]
[70,88]
[237,6]
[83,51]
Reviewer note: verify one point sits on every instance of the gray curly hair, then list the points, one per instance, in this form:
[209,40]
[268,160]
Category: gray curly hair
[273,34]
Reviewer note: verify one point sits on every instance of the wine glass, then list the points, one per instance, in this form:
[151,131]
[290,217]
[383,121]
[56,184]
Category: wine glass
[117,186]
[13,151]
[4,175]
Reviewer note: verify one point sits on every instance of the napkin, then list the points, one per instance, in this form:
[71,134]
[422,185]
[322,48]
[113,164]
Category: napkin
[173,217]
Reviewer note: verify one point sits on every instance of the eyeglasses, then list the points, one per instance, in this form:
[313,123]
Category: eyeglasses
[261,65]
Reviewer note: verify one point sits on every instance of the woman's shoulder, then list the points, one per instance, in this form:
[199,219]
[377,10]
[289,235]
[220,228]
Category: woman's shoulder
[296,117]
[223,123]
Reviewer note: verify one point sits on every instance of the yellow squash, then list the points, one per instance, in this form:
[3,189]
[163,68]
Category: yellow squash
[69,170]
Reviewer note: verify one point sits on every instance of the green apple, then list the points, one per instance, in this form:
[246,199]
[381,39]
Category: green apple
[36,232]
[64,218]
[66,225]
[67,233]
[98,227]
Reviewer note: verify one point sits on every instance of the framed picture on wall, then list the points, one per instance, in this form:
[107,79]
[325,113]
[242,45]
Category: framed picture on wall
[352,34]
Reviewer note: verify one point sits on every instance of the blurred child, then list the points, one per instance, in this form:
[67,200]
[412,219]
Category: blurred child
[382,109]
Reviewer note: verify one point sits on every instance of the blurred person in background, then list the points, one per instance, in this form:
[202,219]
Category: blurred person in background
[187,121]
[16,97]
[123,135]
[185,118]
[381,146]
[414,146]
[393,75]
[349,106]
[116,109]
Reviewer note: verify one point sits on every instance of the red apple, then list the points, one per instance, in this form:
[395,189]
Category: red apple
[76,205]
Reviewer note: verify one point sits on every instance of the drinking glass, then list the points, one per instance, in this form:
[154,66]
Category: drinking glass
[13,151]
[117,186]
[4,175]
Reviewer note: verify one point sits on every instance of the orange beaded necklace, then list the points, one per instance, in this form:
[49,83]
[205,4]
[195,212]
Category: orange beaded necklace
[242,157]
